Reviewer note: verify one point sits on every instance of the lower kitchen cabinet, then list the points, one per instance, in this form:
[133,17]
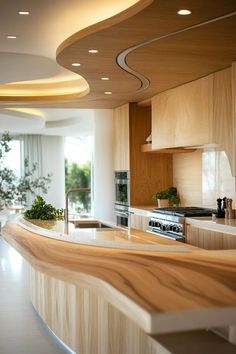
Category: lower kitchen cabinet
[139,222]
[209,239]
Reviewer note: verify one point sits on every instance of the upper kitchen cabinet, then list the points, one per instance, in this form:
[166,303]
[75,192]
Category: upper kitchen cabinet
[197,114]
[121,137]
[181,116]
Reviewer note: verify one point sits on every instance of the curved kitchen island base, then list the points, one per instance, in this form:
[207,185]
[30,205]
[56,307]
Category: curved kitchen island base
[85,321]
[111,300]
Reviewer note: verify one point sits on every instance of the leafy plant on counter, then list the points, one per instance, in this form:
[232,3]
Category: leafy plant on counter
[170,194]
[42,211]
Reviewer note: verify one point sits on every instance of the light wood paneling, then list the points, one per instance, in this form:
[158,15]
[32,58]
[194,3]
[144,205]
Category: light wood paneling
[85,321]
[149,173]
[139,222]
[208,239]
[234,116]
[187,177]
[222,125]
[182,116]
[121,137]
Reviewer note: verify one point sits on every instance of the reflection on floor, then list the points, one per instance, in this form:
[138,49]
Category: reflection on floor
[21,329]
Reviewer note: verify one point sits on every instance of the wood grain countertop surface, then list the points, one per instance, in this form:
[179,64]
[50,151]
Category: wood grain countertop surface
[161,291]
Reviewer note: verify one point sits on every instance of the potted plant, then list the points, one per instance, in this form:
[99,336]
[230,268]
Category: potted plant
[43,214]
[167,197]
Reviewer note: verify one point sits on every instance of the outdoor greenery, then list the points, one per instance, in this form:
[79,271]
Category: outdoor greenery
[170,194]
[78,177]
[42,211]
[12,189]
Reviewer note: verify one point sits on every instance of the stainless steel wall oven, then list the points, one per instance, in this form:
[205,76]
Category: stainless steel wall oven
[121,208]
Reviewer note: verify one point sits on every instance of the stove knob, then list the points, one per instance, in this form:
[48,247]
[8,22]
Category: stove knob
[163,228]
[177,229]
[150,223]
[167,227]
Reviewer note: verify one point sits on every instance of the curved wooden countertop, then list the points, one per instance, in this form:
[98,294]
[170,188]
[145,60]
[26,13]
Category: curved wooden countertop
[161,291]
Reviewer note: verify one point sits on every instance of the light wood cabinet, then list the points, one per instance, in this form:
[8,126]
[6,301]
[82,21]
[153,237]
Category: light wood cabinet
[121,137]
[182,116]
[138,221]
[199,113]
[209,239]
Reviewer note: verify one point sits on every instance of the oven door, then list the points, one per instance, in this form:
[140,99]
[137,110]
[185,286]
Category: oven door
[122,215]
[122,188]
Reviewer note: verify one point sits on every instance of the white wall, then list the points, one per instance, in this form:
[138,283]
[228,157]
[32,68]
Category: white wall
[53,162]
[103,165]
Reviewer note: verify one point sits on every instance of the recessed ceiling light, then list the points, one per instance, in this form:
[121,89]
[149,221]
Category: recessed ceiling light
[93,51]
[105,78]
[75,64]
[184,12]
[108,93]
[23,12]
[11,37]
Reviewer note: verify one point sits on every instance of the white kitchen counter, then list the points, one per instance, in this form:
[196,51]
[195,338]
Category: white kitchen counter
[221,225]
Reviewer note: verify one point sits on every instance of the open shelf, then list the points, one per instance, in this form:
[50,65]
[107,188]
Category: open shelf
[148,148]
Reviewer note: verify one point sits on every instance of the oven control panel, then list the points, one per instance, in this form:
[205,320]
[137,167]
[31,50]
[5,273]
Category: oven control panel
[166,227]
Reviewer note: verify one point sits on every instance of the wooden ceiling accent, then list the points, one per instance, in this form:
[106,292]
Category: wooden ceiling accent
[167,63]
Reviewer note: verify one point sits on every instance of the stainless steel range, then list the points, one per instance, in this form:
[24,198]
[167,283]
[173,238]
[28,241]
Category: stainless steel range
[170,222]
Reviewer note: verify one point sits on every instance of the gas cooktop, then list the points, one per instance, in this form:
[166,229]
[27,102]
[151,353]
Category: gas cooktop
[184,211]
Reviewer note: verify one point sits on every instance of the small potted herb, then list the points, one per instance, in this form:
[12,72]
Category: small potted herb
[167,197]
[46,213]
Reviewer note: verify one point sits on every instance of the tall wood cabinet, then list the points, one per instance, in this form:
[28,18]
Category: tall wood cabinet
[148,173]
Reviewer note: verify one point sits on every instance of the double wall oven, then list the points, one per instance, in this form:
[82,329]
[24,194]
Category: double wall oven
[121,208]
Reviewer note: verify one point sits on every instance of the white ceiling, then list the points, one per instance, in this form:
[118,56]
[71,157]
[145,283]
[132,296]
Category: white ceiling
[31,57]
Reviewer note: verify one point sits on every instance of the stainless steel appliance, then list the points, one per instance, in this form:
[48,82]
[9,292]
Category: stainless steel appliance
[121,208]
[170,222]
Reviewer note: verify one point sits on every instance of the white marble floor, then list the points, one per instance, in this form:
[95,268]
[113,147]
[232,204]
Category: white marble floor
[21,329]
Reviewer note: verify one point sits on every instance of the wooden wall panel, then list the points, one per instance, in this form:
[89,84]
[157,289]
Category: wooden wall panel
[149,173]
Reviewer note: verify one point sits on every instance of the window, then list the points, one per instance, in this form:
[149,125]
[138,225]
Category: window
[13,158]
[78,174]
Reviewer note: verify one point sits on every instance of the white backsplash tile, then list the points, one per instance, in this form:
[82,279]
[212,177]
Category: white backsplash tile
[202,177]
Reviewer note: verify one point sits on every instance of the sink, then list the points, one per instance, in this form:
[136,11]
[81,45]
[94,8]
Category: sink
[89,224]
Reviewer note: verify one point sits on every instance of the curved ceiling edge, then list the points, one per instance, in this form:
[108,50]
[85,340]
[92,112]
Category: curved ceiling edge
[145,82]
[129,12]
[44,98]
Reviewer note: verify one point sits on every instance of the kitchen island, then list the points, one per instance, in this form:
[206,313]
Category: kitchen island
[101,299]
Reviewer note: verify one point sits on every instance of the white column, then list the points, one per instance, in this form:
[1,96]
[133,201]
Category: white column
[103,165]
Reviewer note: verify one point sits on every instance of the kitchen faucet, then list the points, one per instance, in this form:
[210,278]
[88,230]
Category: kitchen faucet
[66,212]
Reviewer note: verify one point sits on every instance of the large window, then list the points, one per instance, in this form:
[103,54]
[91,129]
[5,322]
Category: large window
[78,174]
[13,158]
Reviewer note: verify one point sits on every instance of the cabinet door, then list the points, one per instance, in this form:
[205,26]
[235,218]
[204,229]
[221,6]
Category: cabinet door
[209,239]
[121,137]
[139,222]
[182,116]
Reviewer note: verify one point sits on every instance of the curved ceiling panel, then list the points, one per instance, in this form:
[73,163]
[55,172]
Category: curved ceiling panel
[159,19]
[20,120]
[22,67]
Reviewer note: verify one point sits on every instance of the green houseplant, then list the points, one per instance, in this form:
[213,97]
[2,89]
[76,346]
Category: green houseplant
[40,210]
[167,197]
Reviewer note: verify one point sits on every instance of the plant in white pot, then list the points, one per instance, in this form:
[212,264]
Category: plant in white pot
[167,197]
